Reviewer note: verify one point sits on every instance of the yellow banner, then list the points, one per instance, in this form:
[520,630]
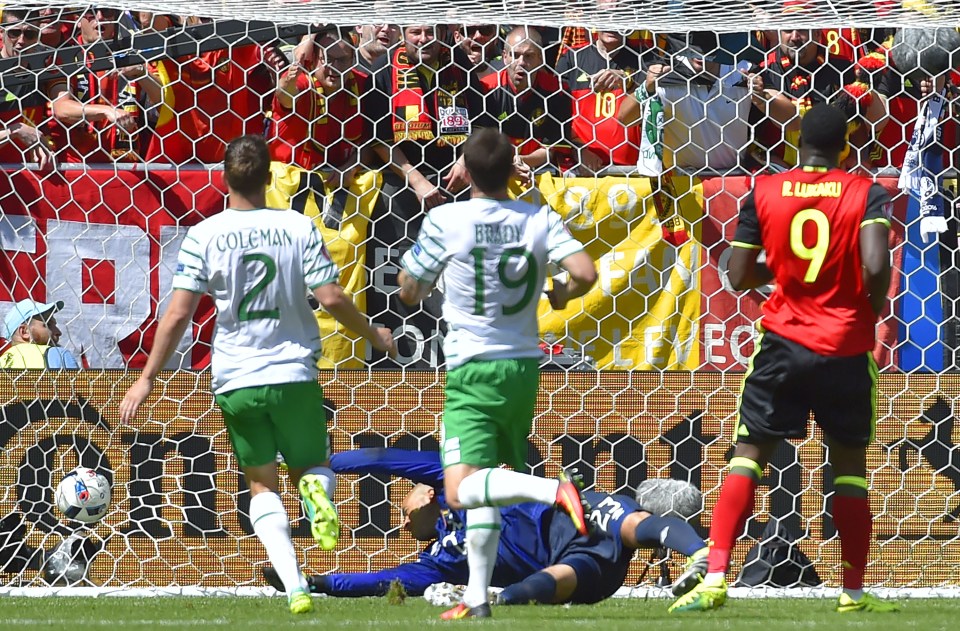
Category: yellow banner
[641,315]
[644,310]
[345,237]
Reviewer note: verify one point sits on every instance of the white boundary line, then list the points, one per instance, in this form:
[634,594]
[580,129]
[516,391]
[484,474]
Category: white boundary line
[135,592]
[803,592]
[623,592]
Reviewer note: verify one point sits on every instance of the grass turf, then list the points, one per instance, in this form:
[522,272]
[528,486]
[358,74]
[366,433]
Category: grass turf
[242,613]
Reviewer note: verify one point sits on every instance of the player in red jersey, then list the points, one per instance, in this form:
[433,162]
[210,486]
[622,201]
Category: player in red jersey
[825,233]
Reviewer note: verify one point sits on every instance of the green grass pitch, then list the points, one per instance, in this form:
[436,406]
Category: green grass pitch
[266,613]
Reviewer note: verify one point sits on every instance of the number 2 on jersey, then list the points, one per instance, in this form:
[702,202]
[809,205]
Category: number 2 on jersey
[816,254]
[244,312]
[527,280]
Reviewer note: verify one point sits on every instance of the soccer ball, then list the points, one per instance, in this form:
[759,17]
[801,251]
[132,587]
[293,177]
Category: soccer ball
[83,495]
[443,594]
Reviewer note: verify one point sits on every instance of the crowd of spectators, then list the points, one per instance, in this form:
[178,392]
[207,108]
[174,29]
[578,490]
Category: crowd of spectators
[402,98]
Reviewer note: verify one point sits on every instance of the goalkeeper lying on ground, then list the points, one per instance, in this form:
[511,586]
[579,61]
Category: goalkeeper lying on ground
[541,557]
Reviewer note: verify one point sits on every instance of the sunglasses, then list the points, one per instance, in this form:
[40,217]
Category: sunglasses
[487,30]
[26,33]
[107,13]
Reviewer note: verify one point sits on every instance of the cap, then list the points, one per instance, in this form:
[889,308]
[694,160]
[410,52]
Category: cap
[23,311]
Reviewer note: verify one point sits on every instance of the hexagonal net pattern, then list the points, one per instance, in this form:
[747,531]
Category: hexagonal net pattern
[657,146]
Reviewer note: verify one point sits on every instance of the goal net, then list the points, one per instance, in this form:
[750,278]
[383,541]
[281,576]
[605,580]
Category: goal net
[643,135]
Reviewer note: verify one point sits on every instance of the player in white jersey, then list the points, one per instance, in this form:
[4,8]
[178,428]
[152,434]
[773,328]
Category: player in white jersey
[258,265]
[493,253]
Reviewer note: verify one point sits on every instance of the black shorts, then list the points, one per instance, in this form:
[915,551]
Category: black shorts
[786,381]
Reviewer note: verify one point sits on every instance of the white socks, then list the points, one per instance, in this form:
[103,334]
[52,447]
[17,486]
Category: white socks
[272,527]
[501,487]
[328,479]
[481,493]
[855,594]
[483,539]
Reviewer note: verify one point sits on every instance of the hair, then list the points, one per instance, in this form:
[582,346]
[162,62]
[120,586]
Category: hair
[336,33]
[11,16]
[525,33]
[669,498]
[824,129]
[246,164]
[488,156]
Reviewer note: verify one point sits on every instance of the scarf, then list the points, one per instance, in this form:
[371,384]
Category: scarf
[651,137]
[411,120]
[922,168]
[416,106]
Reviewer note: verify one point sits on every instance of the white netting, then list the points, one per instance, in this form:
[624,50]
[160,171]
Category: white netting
[642,375]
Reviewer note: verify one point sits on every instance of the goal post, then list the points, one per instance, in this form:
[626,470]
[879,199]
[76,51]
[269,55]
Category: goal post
[660,15]
[640,379]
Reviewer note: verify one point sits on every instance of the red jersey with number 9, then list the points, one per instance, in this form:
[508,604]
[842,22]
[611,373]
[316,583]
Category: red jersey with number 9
[809,224]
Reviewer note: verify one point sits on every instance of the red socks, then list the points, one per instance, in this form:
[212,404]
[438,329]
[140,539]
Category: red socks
[855,527]
[736,502]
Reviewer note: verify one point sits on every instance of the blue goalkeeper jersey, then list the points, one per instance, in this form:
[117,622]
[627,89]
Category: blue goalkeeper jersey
[533,536]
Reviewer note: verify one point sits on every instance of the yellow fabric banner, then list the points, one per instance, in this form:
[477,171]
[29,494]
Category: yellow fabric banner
[643,312]
[345,237]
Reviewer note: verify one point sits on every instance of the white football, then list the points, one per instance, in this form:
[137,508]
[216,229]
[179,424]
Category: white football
[443,594]
[83,495]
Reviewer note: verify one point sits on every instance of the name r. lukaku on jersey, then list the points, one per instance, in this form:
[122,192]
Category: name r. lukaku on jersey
[816,189]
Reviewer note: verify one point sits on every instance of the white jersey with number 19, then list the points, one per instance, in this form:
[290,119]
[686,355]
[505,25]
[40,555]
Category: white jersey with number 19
[258,266]
[493,255]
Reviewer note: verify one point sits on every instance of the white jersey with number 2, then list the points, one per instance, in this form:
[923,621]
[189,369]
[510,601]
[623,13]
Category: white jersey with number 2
[493,255]
[258,266]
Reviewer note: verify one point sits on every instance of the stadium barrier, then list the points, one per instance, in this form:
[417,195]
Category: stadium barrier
[105,242]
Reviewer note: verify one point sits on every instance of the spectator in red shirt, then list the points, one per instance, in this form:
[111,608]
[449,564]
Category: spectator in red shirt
[866,113]
[231,85]
[126,89]
[317,123]
[21,34]
[180,125]
[526,99]
[598,76]
[207,100]
[845,43]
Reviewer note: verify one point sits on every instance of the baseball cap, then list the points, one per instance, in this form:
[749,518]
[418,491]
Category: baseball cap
[23,311]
